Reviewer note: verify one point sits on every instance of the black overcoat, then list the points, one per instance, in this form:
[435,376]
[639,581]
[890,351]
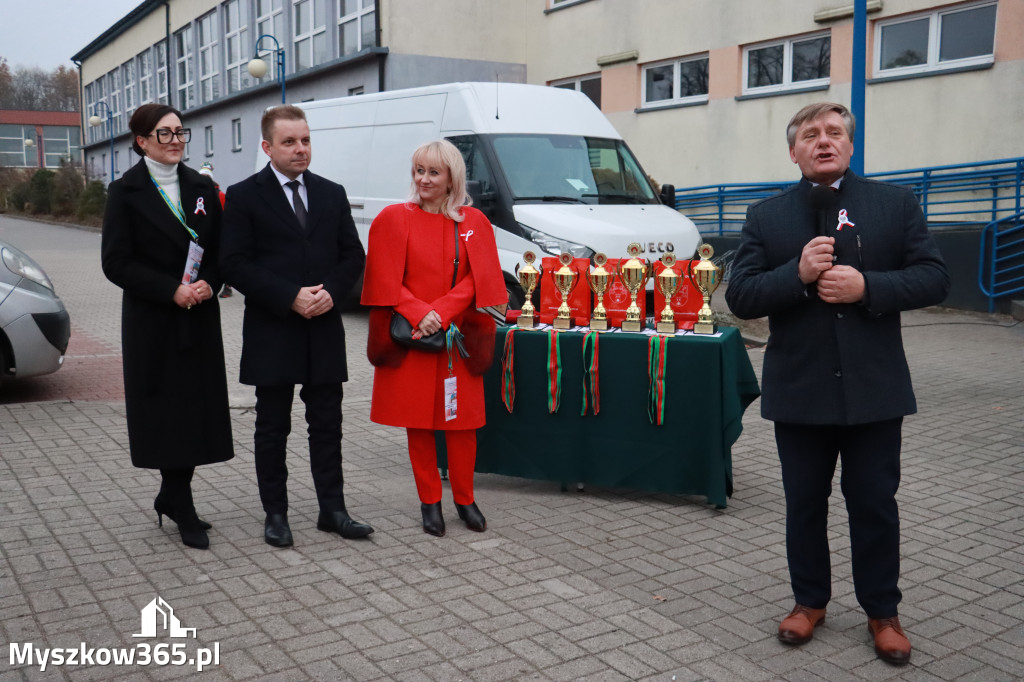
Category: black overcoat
[175,385]
[268,257]
[836,363]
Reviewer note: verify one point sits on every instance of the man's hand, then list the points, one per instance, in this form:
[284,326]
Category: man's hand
[312,301]
[841,284]
[815,259]
[185,296]
[430,324]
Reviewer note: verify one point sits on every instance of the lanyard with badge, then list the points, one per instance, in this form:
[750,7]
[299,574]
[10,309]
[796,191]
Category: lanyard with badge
[195,252]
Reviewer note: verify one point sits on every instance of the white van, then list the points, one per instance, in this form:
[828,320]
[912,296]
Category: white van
[543,164]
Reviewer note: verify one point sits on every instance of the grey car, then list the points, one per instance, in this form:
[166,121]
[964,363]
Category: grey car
[34,325]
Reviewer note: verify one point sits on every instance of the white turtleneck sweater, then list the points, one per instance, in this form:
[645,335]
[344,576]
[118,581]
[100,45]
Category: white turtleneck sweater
[166,175]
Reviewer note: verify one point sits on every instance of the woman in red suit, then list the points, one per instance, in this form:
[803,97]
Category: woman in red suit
[409,269]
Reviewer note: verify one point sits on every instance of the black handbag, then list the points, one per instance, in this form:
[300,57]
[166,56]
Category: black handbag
[401,329]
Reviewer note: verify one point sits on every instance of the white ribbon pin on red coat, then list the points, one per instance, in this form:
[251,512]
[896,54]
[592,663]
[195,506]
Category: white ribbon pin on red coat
[466,235]
[200,208]
[843,220]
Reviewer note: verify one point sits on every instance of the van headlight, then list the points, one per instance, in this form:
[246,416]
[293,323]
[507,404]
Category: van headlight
[23,266]
[556,246]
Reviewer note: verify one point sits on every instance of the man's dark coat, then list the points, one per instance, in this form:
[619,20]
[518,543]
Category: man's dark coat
[837,363]
[267,256]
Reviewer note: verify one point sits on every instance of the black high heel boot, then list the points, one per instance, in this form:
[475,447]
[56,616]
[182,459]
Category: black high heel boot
[473,517]
[433,521]
[177,490]
[163,508]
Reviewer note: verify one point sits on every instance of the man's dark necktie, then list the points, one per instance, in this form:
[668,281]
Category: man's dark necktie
[300,208]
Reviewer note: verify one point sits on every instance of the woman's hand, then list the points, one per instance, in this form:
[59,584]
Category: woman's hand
[185,296]
[430,324]
[202,290]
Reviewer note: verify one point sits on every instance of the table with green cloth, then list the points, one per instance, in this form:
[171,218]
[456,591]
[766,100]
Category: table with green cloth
[708,384]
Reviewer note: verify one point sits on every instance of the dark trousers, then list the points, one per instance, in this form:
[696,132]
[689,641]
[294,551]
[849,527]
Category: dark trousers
[273,424]
[870,476]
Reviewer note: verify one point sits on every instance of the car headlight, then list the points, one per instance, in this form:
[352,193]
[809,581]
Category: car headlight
[23,266]
[556,246]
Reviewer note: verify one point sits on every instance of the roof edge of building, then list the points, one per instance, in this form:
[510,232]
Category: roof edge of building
[122,25]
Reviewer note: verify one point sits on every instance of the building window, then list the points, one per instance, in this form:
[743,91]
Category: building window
[358,90]
[13,152]
[114,98]
[270,21]
[787,65]
[144,65]
[208,140]
[309,19]
[161,72]
[680,81]
[235,47]
[964,36]
[357,25]
[184,70]
[588,85]
[236,134]
[59,143]
[117,163]
[128,79]
[209,64]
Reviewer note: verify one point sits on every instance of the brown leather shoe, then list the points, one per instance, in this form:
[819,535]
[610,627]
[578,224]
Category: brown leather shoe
[798,626]
[891,645]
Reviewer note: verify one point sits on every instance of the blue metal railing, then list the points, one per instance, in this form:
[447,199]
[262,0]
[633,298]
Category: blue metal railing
[1001,258]
[950,196]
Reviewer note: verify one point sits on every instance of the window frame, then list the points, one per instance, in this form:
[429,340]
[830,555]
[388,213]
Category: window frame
[675,100]
[208,140]
[235,72]
[183,59]
[114,97]
[366,8]
[577,83]
[144,68]
[932,63]
[787,84]
[128,88]
[207,28]
[311,35]
[236,134]
[160,53]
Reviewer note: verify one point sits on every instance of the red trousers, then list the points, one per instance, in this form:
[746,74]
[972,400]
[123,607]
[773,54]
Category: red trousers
[461,447]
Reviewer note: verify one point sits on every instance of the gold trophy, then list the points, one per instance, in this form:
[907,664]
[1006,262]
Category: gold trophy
[599,280]
[528,278]
[706,277]
[565,278]
[633,274]
[667,282]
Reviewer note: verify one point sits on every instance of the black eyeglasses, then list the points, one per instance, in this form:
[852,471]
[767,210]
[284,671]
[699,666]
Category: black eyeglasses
[165,135]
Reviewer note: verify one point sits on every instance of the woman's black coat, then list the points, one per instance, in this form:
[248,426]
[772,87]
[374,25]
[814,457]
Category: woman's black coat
[175,385]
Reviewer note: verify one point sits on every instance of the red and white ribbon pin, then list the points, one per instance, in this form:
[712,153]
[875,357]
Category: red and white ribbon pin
[200,208]
[843,220]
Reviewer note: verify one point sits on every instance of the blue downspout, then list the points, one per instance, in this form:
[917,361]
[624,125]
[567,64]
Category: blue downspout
[860,30]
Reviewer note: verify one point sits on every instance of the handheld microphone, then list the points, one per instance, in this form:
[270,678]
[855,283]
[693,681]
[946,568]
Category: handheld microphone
[822,199]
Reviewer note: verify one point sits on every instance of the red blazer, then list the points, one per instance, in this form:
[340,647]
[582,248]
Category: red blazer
[409,268]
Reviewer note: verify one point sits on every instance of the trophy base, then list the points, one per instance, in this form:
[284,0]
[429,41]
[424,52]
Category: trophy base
[704,328]
[527,321]
[632,325]
[562,323]
[667,327]
[599,325]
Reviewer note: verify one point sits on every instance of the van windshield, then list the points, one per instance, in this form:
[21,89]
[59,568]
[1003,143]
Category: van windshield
[572,169]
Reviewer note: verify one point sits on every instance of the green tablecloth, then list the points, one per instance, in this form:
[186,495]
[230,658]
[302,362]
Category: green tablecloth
[709,383]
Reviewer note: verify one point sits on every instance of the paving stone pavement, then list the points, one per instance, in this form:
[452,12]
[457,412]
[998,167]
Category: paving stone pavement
[596,585]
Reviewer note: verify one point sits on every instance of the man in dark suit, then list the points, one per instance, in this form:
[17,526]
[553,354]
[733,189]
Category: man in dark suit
[290,246]
[832,270]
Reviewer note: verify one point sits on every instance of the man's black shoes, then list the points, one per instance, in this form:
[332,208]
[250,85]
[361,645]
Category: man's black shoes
[276,531]
[341,523]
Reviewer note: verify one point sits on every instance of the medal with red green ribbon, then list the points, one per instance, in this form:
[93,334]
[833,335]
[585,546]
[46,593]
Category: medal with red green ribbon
[591,375]
[657,360]
[554,373]
[508,377]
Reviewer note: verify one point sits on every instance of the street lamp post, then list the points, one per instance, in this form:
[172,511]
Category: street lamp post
[95,120]
[258,68]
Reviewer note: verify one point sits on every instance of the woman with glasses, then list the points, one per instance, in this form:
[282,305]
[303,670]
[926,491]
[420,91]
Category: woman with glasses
[160,239]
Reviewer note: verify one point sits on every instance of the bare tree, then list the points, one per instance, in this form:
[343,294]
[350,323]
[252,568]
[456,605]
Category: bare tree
[34,89]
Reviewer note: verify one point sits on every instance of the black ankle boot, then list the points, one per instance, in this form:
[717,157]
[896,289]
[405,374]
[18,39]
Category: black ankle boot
[471,514]
[433,521]
[163,508]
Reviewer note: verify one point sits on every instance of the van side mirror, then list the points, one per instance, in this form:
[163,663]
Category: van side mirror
[668,195]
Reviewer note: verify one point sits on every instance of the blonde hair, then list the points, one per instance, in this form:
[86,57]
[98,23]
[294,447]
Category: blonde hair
[442,153]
